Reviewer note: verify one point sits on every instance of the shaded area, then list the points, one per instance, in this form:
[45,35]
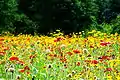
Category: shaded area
[40,16]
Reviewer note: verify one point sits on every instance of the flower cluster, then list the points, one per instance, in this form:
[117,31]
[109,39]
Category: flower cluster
[94,57]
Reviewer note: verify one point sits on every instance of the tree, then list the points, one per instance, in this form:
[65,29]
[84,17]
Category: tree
[11,19]
[8,10]
[68,15]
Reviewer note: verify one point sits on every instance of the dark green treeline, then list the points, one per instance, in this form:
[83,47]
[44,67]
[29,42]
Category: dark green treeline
[43,16]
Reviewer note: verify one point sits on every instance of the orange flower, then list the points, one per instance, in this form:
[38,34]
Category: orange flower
[76,51]
[21,70]
[94,61]
[14,58]
[51,55]
[69,53]
[104,58]
[1,39]
[1,42]
[78,63]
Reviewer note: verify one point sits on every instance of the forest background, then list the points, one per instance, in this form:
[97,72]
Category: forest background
[44,16]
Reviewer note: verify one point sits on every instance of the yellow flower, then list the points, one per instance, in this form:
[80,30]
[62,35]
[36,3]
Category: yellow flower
[90,79]
[109,77]
[93,31]
[116,34]
[118,77]
[114,63]
[81,58]
[77,76]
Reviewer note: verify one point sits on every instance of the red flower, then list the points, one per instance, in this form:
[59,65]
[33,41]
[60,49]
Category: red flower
[91,46]
[76,51]
[108,69]
[26,68]
[69,53]
[2,53]
[85,40]
[94,62]
[27,73]
[104,43]
[55,40]
[58,39]
[21,70]
[105,57]
[13,58]
[78,63]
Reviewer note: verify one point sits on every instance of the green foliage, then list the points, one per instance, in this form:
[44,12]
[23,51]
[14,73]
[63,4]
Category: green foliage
[9,18]
[112,27]
[40,16]
[69,15]
[8,8]
[116,24]
[105,27]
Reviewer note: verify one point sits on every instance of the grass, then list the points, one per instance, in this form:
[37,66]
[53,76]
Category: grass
[26,57]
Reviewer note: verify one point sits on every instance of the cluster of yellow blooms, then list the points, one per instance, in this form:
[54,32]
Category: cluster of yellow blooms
[61,57]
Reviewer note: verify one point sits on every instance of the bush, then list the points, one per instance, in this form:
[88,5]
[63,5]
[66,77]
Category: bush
[116,24]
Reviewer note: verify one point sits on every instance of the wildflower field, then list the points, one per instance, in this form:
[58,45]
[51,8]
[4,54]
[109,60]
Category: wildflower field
[59,57]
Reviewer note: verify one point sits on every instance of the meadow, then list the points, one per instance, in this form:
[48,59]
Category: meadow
[60,57]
